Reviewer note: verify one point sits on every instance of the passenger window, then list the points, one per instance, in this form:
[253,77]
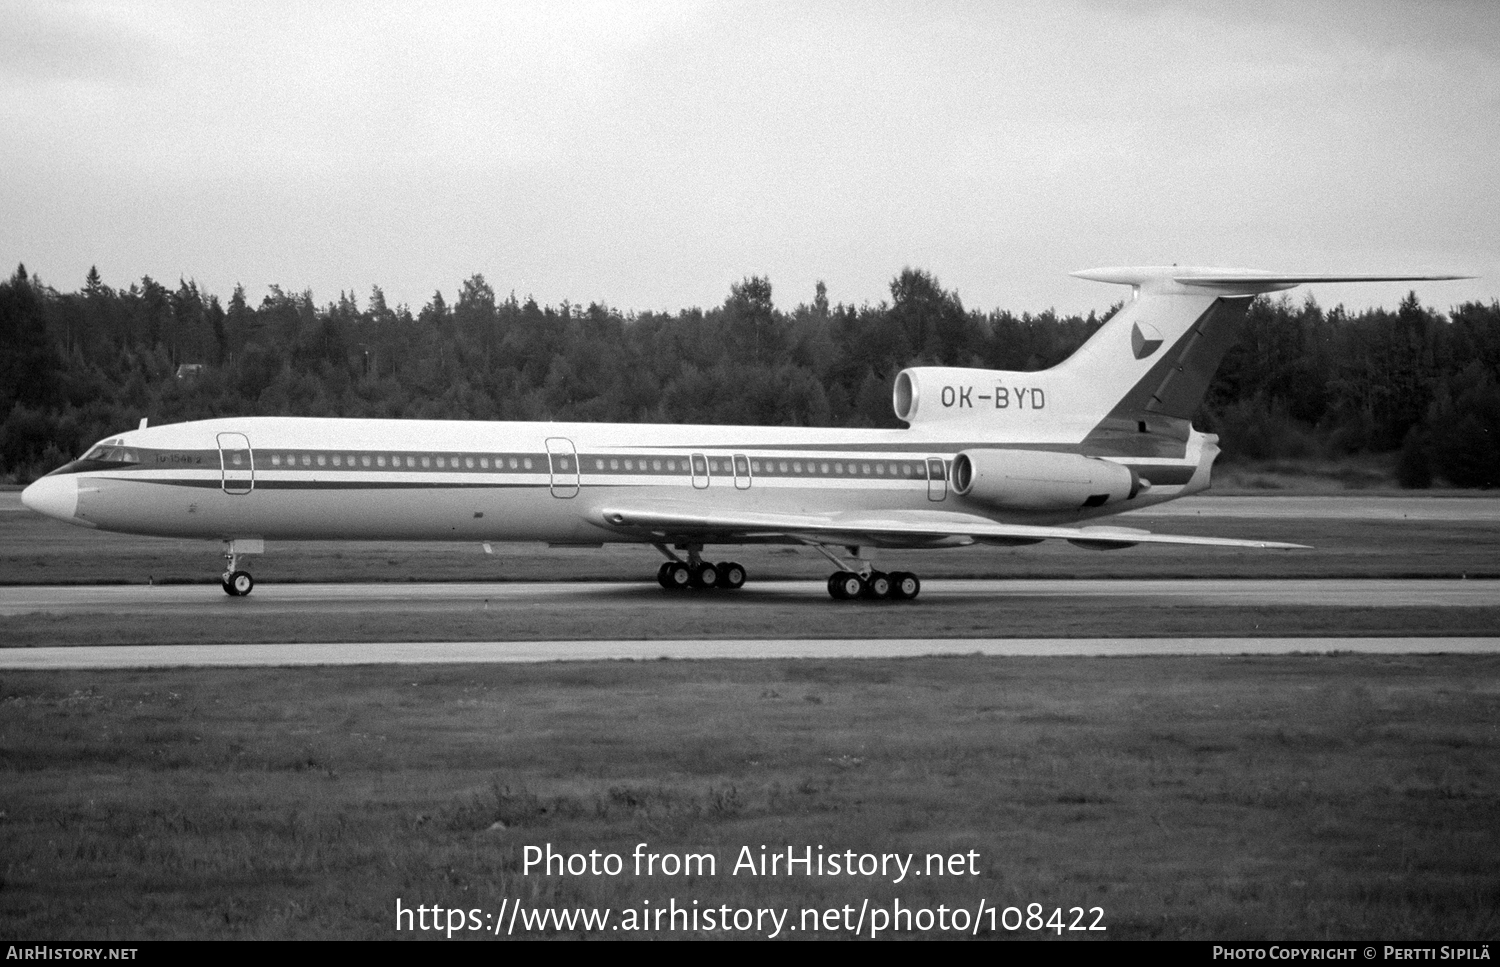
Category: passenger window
[656,465]
[484,463]
[614,464]
[380,460]
[426,462]
[469,462]
[338,461]
[307,459]
[275,459]
[528,463]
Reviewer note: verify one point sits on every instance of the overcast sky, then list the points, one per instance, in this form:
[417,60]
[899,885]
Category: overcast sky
[648,155]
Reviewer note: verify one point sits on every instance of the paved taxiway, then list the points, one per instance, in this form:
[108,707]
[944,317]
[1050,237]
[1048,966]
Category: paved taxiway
[269,599]
[513,652]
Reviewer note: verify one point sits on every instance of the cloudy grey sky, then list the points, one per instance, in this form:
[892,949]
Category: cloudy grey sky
[647,155]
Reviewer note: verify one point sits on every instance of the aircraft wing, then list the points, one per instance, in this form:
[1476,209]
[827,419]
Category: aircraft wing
[909,528]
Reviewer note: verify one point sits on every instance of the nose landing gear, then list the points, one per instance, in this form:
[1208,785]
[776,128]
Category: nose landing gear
[237,582]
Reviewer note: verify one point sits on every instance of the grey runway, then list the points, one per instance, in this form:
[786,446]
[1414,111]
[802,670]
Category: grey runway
[497,652]
[270,599]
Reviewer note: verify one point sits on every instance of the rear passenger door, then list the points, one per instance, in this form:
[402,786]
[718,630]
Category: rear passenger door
[562,460]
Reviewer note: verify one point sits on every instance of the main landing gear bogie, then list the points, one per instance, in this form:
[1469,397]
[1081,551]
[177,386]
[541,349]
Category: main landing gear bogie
[700,576]
[874,586]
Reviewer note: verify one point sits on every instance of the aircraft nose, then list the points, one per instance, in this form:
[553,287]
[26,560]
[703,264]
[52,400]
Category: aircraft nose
[53,496]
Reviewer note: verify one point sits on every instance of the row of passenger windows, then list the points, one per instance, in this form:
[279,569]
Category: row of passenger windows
[718,466]
[398,461]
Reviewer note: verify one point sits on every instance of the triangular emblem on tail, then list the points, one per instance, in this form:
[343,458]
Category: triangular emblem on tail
[1144,340]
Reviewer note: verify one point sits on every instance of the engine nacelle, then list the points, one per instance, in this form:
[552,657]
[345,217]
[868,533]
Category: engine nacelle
[929,395]
[1038,480]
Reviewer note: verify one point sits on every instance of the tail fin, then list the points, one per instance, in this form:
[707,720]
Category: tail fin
[1153,361]
[1145,372]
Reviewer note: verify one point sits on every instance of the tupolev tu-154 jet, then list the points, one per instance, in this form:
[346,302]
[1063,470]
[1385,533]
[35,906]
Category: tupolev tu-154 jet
[987,457]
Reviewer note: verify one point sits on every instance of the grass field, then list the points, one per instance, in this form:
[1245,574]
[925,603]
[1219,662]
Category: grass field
[1300,797]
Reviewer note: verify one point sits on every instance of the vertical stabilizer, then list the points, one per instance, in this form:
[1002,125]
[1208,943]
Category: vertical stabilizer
[1153,361]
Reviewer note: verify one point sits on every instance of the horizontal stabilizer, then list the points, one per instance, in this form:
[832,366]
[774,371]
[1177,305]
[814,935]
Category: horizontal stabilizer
[1236,281]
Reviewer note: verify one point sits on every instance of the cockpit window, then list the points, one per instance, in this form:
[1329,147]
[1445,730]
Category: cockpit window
[112,454]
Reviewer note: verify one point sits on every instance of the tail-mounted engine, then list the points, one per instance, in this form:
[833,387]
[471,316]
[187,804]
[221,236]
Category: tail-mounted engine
[1037,480]
[928,395]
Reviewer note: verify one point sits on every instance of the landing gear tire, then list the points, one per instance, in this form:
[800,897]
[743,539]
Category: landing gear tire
[844,585]
[677,576]
[877,585]
[239,584]
[705,576]
[905,585]
[663,575]
[731,576]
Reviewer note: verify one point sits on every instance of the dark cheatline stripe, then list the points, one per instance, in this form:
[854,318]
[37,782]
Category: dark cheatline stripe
[863,463]
[261,484]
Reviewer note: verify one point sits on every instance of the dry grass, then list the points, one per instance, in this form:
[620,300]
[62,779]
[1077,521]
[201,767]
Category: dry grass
[1295,797]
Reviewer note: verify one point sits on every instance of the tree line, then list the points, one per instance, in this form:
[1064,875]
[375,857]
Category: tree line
[1303,382]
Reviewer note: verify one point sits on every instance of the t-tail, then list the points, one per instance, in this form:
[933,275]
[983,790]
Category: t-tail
[1129,393]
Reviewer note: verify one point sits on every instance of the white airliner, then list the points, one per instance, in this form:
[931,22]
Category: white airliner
[988,457]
